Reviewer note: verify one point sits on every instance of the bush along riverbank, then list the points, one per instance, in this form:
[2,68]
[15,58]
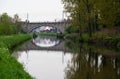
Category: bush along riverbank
[100,40]
[10,68]
[109,42]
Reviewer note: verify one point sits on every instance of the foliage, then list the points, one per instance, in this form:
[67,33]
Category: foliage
[72,29]
[7,26]
[88,14]
[109,11]
[96,39]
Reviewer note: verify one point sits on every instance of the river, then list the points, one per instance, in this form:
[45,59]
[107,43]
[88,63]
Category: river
[52,58]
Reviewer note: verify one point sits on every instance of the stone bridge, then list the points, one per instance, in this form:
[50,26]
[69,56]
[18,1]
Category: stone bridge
[28,27]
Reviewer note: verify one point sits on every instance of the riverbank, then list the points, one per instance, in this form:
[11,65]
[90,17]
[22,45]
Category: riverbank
[10,68]
[96,39]
[59,35]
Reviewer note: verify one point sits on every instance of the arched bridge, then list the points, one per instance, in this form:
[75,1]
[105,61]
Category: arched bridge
[28,27]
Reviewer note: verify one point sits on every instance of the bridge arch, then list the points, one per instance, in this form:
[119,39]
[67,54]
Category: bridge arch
[47,28]
[28,27]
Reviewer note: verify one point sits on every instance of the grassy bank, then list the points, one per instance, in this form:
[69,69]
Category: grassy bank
[9,67]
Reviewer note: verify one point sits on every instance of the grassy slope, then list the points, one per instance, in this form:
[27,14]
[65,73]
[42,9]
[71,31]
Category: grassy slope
[9,67]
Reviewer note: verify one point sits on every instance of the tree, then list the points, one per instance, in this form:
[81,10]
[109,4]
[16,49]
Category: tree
[16,18]
[17,22]
[5,18]
[88,14]
[7,26]
[82,13]
[109,11]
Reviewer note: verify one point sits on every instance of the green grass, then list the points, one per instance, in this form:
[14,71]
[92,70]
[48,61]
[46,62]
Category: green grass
[10,68]
[13,40]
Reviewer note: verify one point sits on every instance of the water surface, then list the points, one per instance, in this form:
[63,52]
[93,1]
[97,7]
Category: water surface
[44,64]
[50,58]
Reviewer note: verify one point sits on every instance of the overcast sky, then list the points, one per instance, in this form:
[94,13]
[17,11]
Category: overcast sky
[38,10]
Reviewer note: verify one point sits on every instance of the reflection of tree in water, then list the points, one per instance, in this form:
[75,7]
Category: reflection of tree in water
[89,64]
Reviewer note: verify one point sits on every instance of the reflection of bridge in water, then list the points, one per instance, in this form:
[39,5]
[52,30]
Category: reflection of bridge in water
[31,46]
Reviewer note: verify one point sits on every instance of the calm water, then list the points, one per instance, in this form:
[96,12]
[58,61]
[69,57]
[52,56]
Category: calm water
[44,64]
[51,58]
